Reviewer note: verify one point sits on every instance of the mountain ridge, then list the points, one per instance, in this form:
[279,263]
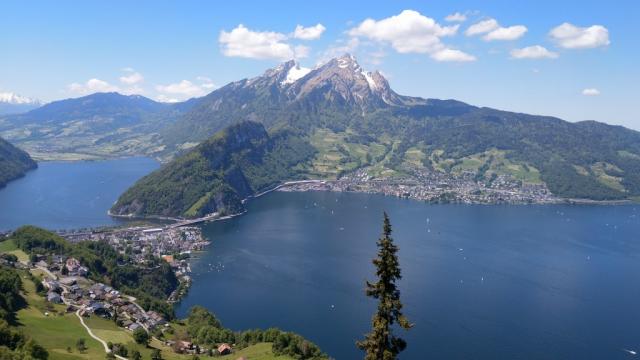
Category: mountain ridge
[357,124]
[99,125]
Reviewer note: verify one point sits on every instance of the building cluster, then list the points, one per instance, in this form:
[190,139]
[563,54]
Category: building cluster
[437,187]
[173,244]
[67,284]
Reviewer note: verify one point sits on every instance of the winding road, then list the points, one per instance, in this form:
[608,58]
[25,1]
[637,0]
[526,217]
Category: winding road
[104,343]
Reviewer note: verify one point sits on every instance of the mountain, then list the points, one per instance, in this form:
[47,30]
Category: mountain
[13,162]
[11,103]
[356,121]
[215,176]
[94,126]
[331,95]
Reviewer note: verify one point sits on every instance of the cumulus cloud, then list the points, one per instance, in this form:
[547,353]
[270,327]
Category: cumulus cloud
[301,51]
[569,36]
[92,86]
[242,42]
[132,78]
[591,92]
[184,89]
[166,99]
[452,55]
[506,33]
[309,33]
[339,48]
[456,17]
[493,31]
[482,27]
[411,32]
[206,83]
[533,52]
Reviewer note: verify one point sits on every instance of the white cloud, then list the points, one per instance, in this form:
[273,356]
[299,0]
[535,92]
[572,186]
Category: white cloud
[533,52]
[493,31]
[411,32]
[242,42]
[569,36]
[132,78]
[166,99]
[452,55]
[591,92]
[506,33]
[301,51]
[92,86]
[482,27]
[206,83]
[184,88]
[339,48]
[456,17]
[309,33]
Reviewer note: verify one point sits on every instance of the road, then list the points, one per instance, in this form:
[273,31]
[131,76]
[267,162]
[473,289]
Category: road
[104,343]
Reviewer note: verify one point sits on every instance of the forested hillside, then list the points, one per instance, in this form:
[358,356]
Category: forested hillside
[215,176]
[13,162]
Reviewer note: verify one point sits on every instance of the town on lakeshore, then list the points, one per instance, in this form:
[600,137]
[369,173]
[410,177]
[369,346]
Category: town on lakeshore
[436,187]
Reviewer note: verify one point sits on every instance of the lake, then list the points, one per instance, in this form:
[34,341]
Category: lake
[65,195]
[479,282]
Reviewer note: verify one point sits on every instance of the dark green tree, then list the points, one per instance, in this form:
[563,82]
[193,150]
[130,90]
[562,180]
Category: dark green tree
[156,354]
[141,336]
[380,343]
[135,355]
[81,345]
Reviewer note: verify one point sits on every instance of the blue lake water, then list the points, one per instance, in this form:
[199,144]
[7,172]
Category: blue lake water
[480,282]
[64,195]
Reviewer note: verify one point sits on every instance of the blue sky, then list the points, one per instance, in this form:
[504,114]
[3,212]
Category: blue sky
[519,58]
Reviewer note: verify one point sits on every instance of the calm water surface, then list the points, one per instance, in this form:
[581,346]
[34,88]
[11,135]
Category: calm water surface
[64,195]
[480,282]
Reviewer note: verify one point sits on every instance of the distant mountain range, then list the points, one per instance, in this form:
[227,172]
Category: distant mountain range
[351,119]
[14,162]
[11,103]
[94,126]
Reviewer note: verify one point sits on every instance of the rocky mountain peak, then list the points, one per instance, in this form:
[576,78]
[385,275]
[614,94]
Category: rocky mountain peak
[345,78]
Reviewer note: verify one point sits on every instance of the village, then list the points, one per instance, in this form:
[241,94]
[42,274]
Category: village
[436,187]
[172,244]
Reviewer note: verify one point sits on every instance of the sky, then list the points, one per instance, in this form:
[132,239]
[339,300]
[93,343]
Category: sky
[577,60]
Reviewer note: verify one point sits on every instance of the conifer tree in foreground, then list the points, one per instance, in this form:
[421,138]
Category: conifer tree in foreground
[380,343]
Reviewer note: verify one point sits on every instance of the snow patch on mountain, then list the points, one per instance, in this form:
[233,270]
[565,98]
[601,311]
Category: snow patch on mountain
[296,72]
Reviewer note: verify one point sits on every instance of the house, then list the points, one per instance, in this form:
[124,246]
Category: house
[58,259]
[134,326]
[52,285]
[54,297]
[75,268]
[68,281]
[224,349]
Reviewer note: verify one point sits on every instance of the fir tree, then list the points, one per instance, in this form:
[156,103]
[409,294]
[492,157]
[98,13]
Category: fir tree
[380,343]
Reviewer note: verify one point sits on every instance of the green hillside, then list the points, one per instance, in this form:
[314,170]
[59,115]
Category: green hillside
[13,162]
[215,176]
